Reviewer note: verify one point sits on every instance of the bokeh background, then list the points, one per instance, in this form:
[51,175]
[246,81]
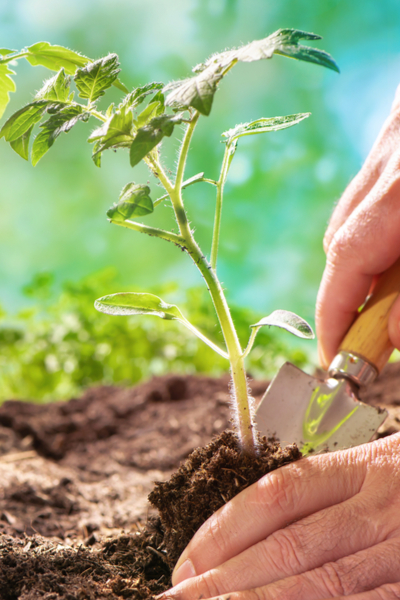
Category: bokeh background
[282,186]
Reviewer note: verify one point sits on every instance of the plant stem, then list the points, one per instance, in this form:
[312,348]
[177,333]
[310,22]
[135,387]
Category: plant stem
[205,339]
[249,346]
[228,155]
[10,58]
[184,150]
[97,114]
[153,231]
[239,381]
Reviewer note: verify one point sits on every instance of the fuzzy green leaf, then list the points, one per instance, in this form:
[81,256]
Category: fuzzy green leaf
[96,77]
[55,89]
[63,119]
[134,201]
[117,132]
[55,57]
[21,144]
[23,119]
[6,51]
[289,321]
[137,96]
[120,86]
[131,303]
[7,85]
[110,111]
[151,134]
[154,109]
[263,125]
[198,91]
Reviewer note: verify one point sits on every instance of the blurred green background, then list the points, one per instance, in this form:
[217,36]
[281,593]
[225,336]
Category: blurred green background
[281,188]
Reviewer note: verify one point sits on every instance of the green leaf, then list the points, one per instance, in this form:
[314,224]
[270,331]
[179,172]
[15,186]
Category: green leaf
[134,201]
[198,91]
[132,303]
[120,86]
[137,96]
[21,144]
[55,89]
[151,134]
[61,121]
[7,85]
[110,111]
[6,51]
[288,45]
[55,57]
[117,132]
[263,125]
[23,119]
[154,109]
[289,321]
[96,77]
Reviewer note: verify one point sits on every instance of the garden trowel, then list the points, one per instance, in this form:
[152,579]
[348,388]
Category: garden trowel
[325,415]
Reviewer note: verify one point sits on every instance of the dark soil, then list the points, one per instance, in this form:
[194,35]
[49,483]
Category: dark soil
[75,523]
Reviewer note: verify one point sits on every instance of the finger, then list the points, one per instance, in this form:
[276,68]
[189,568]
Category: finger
[383,149]
[307,544]
[353,575]
[396,101]
[366,245]
[391,591]
[289,493]
[326,536]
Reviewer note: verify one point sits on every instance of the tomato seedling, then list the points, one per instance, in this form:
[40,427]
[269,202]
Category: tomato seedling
[141,131]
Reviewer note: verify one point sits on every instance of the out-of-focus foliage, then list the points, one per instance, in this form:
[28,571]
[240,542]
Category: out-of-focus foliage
[62,345]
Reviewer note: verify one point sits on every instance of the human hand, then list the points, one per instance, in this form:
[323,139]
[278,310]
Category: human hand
[362,241]
[327,526]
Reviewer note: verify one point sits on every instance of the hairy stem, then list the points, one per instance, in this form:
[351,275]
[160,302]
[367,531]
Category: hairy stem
[228,155]
[153,231]
[7,59]
[184,150]
[249,346]
[239,381]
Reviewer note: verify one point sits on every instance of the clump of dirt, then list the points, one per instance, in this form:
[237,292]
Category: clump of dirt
[75,523]
[209,478]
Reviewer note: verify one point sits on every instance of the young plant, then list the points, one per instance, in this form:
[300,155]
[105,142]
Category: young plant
[141,131]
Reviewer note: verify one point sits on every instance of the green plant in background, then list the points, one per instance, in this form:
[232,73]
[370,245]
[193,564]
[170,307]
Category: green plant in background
[141,132]
[60,346]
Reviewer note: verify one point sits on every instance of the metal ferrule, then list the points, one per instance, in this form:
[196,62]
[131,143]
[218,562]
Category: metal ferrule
[353,367]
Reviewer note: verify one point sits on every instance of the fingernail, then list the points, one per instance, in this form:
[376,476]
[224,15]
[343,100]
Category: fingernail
[185,571]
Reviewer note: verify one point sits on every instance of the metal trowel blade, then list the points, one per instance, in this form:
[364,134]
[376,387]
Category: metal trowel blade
[317,415]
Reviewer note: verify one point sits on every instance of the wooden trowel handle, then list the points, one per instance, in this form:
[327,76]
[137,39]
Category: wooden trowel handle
[368,336]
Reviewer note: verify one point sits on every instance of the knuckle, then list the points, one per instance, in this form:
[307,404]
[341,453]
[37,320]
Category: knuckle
[216,533]
[277,490]
[285,551]
[331,577]
[340,248]
[207,585]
